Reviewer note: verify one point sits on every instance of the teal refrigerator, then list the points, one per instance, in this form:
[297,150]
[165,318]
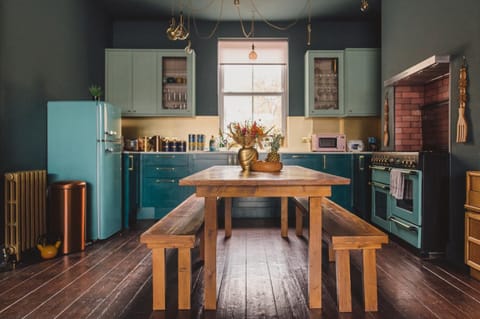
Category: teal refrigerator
[84,143]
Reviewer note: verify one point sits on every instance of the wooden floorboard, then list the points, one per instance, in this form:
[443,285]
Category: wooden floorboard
[259,275]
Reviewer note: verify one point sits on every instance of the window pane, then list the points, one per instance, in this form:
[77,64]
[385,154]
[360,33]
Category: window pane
[267,78]
[237,78]
[268,109]
[236,109]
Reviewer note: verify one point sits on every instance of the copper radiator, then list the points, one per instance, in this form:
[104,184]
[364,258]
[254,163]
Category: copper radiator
[25,210]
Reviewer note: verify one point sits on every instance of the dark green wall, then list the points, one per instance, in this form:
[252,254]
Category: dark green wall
[49,50]
[326,35]
[413,30]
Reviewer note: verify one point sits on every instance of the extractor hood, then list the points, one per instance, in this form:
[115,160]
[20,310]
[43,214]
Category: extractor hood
[431,69]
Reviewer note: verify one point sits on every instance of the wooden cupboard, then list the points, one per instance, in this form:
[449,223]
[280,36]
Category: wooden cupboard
[472,223]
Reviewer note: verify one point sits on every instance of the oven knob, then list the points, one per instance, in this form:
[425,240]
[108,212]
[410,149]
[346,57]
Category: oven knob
[391,160]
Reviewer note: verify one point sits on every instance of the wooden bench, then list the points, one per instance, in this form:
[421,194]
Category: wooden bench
[344,232]
[178,229]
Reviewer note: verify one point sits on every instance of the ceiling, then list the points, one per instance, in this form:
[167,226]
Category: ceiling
[272,10]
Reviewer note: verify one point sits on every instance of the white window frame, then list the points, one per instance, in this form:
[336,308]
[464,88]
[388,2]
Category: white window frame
[283,94]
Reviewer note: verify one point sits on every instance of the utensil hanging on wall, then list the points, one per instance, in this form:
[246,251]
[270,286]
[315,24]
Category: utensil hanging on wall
[385,121]
[462,128]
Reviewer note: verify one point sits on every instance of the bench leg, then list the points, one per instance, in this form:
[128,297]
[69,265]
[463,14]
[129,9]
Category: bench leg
[298,221]
[184,278]
[158,278]
[284,216]
[370,280]
[228,217]
[344,292]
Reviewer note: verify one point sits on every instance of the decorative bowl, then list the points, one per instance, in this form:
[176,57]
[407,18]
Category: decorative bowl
[262,166]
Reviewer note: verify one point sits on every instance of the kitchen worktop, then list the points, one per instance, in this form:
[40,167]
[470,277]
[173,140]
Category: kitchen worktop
[234,152]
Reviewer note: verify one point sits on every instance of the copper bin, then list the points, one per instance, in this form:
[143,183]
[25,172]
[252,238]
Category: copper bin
[68,208]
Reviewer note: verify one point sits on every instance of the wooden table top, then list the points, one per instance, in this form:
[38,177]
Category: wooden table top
[290,175]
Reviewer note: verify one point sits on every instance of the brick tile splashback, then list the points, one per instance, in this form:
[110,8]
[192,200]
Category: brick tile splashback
[408,119]
[420,122]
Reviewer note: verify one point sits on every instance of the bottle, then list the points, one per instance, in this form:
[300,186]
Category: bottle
[211,144]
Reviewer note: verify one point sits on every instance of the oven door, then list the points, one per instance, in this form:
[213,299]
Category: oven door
[381,204]
[409,208]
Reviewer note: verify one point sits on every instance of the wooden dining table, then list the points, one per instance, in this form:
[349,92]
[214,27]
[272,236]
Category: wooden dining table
[231,181]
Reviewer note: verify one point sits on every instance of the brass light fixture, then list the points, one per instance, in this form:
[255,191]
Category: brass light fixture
[253,55]
[181,32]
[364,5]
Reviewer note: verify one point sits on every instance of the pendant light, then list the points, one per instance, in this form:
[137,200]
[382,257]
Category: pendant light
[364,5]
[253,55]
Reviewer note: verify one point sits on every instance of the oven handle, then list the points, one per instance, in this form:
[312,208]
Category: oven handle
[404,225]
[380,168]
[388,169]
[382,186]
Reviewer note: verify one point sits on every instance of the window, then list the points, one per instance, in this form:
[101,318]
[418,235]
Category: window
[253,90]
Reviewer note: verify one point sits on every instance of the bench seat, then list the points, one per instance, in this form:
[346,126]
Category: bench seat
[178,229]
[346,231]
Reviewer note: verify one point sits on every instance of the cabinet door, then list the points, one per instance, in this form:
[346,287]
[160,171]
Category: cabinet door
[130,189]
[362,82]
[361,189]
[144,82]
[340,165]
[324,82]
[175,85]
[118,79]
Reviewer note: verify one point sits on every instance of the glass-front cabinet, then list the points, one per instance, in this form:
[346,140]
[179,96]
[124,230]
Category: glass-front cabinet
[147,82]
[177,92]
[324,75]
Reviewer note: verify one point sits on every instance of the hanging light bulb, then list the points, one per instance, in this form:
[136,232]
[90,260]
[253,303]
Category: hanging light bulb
[252,55]
[236,3]
[188,48]
[364,5]
[171,33]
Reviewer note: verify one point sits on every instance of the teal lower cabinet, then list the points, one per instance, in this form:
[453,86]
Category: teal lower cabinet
[340,165]
[336,164]
[130,188]
[305,160]
[159,189]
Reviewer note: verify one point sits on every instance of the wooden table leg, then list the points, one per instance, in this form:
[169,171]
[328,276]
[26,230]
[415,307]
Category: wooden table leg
[315,253]
[210,263]
[284,216]
[228,217]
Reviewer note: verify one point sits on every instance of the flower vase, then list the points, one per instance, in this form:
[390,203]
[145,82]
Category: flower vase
[247,155]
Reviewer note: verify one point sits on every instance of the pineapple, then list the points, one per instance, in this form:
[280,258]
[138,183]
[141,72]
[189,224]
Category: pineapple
[273,155]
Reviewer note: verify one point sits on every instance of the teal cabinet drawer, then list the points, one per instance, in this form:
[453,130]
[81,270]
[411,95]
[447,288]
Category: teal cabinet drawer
[158,192]
[412,234]
[165,159]
[165,172]
[306,160]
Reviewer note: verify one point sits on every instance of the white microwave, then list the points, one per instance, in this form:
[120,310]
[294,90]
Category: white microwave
[329,143]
